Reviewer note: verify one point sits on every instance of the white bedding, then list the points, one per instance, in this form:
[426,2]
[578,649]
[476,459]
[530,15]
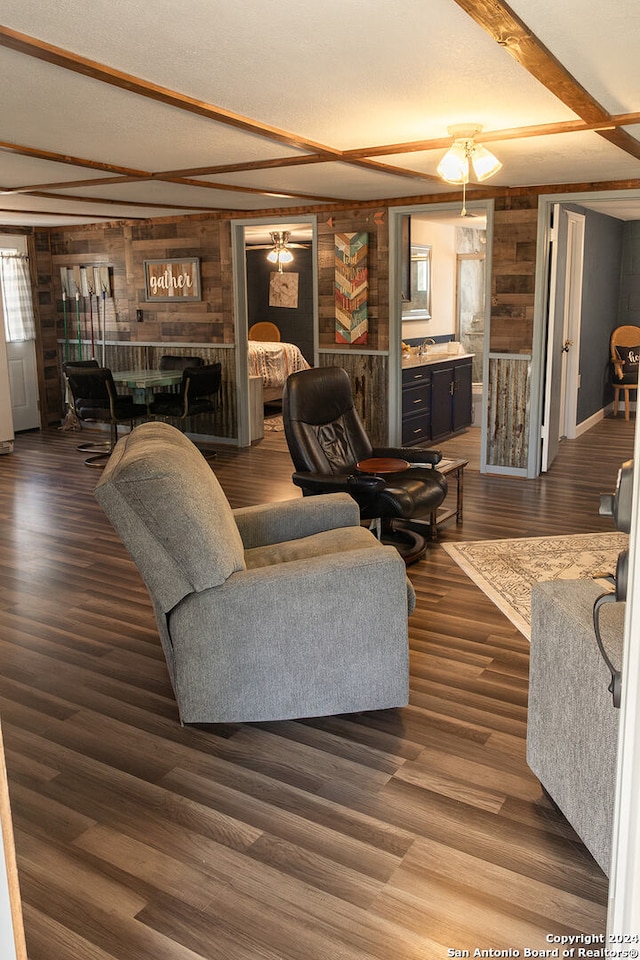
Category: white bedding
[274,362]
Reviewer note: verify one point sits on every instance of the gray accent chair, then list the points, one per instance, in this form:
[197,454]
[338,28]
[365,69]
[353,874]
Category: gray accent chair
[289,609]
[572,731]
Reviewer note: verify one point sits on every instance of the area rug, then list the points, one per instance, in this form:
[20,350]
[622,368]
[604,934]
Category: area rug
[274,424]
[507,569]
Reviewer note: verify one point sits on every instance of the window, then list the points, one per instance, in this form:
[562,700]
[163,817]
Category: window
[19,321]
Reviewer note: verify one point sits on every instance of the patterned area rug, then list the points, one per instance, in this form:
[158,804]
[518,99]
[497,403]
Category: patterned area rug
[274,424]
[506,569]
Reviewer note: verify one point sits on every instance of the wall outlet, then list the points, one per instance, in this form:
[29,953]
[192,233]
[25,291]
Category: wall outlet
[139,316]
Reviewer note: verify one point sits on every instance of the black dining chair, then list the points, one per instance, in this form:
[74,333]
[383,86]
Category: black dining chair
[169,361]
[96,400]
[91,446]
[198,394]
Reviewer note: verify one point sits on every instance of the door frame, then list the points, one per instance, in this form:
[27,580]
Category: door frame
[394,399]
[549,446]
[240,314]
[543,266]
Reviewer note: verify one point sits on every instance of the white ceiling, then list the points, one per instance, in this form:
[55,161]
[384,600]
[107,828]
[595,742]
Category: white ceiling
[330,76]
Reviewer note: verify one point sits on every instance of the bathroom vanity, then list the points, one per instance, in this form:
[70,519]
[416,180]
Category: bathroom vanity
[436,396]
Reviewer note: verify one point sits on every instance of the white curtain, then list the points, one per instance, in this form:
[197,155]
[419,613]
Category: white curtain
[19,321]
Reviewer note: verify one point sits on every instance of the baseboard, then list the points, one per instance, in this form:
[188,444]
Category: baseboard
[600,415]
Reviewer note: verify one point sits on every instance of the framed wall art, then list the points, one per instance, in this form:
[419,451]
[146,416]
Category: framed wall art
[167,280]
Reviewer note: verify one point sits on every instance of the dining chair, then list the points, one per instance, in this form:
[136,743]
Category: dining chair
[198,394]
[265,331]
[97,400]
[90,446]
[169,361]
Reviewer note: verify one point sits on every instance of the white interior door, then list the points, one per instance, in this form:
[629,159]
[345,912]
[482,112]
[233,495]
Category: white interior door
[572,323]
[23,385]
[553,377]
[562,377]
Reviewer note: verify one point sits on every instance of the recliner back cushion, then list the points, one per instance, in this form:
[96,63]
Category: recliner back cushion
[171,513]
[324,432]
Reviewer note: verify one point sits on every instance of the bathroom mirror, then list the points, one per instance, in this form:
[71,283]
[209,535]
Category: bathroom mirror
[419,305]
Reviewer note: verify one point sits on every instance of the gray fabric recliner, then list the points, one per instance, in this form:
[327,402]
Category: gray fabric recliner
[572,727]
[284,610]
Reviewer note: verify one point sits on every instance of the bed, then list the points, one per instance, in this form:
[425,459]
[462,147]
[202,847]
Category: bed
[273,362]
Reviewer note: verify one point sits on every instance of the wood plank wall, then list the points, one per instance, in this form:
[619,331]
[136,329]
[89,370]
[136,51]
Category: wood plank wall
[124,245]
[511,330]
[369,375]
[515,229]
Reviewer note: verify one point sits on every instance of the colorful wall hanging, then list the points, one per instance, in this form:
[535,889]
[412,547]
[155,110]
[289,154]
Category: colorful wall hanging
[351,287]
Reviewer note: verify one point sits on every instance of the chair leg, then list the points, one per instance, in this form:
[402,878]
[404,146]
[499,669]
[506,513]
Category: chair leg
[627,402]
[616,400]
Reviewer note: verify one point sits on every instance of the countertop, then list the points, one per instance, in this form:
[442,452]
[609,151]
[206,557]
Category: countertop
[432,356]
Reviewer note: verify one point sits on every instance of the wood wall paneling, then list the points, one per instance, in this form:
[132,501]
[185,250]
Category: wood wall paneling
[369,375]
[125,245]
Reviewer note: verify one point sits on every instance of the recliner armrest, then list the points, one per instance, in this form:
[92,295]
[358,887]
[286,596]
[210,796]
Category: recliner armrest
[291,519]
[317,483]
[410,454]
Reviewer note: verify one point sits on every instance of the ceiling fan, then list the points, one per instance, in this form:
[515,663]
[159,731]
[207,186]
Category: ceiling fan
[279,239]
[280,248]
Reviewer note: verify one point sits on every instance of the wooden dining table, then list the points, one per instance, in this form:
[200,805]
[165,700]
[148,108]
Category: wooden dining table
[143,382]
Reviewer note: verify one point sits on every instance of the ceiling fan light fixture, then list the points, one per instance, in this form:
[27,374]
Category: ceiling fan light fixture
[280,253]
[454,166]
[465,155]
[484,163]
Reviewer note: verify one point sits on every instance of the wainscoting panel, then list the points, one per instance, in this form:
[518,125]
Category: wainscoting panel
[137,356]
[369,379]
[509,413]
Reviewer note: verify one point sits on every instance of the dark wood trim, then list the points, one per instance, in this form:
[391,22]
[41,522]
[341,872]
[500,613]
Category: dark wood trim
[512,33]
[32,47]
[38,154]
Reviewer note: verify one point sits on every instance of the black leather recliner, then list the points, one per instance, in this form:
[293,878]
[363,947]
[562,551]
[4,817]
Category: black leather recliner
[326,439]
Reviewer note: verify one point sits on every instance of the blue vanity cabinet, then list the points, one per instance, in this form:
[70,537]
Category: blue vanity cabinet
[416,405]
[436,399]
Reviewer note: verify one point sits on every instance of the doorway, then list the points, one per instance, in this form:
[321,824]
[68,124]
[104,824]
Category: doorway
[291,306]
[459,301]
[585,287]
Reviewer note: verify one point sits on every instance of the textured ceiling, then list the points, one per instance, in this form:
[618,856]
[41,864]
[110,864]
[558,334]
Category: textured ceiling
[298,81]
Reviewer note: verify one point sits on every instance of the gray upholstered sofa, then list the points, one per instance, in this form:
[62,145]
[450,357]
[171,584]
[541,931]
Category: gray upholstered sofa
[572,731]
[290,609]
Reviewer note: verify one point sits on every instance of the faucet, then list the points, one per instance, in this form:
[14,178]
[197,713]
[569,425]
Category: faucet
[422,350]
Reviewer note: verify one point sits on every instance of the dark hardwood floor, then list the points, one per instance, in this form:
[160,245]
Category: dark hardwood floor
[396,835]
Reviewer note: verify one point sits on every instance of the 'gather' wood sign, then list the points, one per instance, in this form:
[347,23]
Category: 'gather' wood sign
[172,279]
